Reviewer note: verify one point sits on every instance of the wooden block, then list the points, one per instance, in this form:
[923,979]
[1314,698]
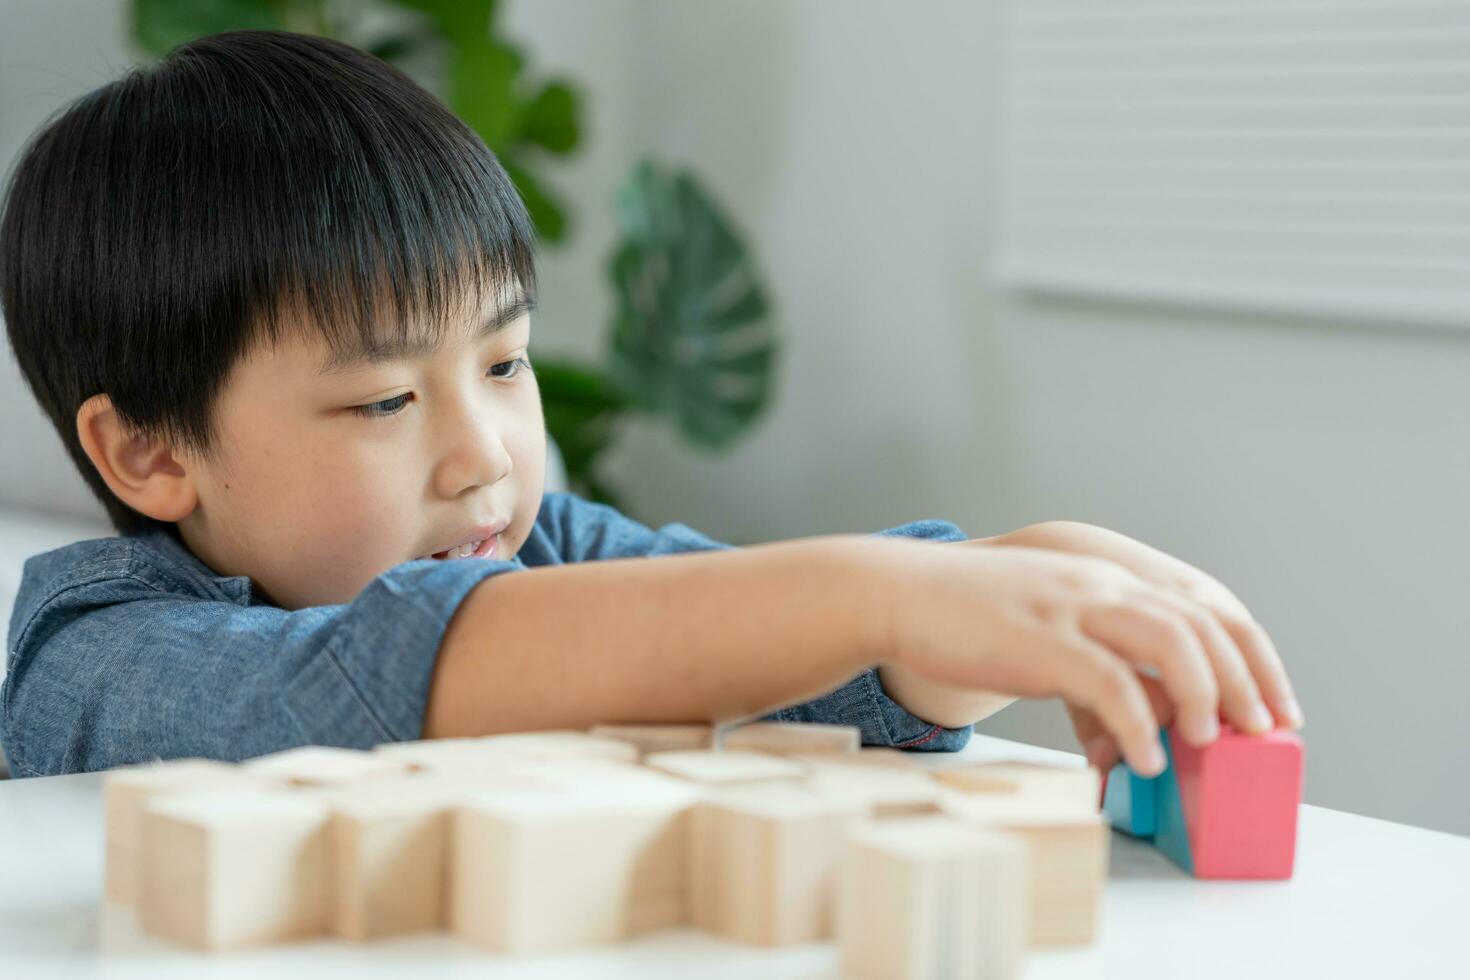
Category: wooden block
[866,759]
[726,768]
[784,738]
[391,851]
[1080,785]
[660,738]
[764,864]
[883,782]
[538,872]
[322,765]
[1229,809]
[879,791]
[124,791]
[928,897]
[1130,802]
[1067,856]
[438,754]
[564,744]
[233,869]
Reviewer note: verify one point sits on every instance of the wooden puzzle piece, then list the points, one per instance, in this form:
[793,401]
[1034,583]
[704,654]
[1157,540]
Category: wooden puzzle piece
[566,744]
[321,765]
[783,738]
[434,754]
[124,792]
[764,863]
[926,897]
[548,871]
[391,849]
[660,738]
[1077,785]
[1068,856]
[234,869]
[726,768]
[1229,809]
[880,791]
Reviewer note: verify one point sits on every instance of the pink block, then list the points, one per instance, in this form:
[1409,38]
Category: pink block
[1240,796]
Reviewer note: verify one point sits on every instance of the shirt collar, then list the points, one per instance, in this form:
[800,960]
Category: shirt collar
[235,587]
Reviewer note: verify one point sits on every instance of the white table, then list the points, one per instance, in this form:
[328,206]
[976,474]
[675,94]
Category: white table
[1369,899]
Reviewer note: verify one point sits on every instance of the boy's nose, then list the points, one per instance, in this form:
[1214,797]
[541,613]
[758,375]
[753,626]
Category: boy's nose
[475,456]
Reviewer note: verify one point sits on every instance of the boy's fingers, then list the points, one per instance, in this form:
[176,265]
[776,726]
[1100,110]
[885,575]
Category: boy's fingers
[1158,699]
[1097,744]
[1240,698]
[1100,681]
[1266,666]
[1157,636]
[1101,748]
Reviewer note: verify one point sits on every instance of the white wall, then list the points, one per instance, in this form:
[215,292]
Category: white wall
[51,51]
[1320,471]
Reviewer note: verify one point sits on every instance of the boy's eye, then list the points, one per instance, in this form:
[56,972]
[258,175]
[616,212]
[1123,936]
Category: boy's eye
[515,365]
[392,406]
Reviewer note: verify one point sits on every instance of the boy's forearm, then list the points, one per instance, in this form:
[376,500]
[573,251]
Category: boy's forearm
[712,635]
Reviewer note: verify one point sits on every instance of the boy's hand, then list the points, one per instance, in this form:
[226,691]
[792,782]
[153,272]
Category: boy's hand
[1184,580]
[1033,622]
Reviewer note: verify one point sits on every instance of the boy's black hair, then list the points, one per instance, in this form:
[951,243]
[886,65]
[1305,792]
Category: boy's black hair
[249,184]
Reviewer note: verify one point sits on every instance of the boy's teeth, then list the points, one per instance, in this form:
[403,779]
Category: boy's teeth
[463,551]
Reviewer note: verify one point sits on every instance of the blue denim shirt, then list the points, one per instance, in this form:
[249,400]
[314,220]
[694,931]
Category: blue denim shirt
[130,648]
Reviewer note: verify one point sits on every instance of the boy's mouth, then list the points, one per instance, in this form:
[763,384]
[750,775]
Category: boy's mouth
[485,543]
[484,548]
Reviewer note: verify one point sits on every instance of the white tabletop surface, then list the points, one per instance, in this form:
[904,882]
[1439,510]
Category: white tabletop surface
[1369,899]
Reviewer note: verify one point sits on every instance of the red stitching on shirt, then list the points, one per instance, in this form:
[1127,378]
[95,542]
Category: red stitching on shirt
[916,742]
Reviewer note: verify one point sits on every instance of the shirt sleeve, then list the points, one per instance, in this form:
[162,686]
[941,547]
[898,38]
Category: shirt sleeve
[120,666]
[580,530]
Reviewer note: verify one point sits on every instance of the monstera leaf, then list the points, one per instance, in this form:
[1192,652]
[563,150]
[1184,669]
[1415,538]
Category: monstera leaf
[692,336]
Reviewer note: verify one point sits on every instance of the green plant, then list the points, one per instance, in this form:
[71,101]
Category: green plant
[691,337]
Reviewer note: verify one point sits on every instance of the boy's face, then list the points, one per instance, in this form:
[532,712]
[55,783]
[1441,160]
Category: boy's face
[313,500]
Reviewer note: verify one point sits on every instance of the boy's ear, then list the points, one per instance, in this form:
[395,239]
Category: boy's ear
[144,473]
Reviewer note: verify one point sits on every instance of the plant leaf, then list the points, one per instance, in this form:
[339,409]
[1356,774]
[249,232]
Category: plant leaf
[582,409]
[546,213]
[550,119]
[692,336]
[161,25]
[394,46]
[482,78]
[459,18]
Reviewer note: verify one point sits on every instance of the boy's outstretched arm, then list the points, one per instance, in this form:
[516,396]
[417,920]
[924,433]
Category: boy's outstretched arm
[730,634]
[699,636]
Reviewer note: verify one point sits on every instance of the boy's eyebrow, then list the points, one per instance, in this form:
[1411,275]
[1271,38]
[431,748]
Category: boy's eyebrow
[397,349]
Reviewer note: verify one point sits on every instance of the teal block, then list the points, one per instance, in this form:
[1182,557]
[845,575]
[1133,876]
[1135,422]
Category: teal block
[1129,802]
[1171,836]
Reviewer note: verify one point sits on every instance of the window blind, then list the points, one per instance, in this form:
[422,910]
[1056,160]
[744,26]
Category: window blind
[1307,158]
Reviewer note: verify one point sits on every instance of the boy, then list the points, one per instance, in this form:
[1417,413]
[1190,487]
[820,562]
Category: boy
[275,299]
